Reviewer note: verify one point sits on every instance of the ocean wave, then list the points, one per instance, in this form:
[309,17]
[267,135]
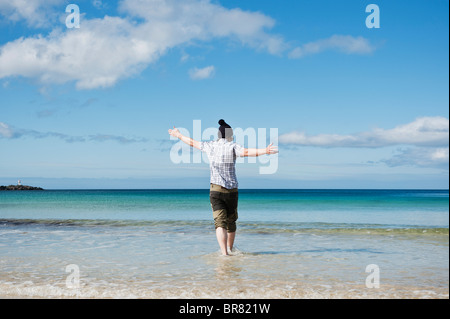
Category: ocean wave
[251,227]
[214,290]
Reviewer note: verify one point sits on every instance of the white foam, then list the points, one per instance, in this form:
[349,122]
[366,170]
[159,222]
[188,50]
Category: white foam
[214,289]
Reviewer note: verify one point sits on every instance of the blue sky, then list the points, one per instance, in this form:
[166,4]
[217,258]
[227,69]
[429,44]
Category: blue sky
[354,107]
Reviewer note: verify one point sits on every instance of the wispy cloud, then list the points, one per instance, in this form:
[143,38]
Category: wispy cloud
[424,131]
[5,130]
[342,43]
[46,113]
[201,74]
[98,4]
[116,138]
[420,157]
[8,132]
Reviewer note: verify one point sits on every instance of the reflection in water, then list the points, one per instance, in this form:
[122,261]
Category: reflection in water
[228,268]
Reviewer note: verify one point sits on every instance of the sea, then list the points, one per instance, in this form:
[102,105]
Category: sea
[161,244]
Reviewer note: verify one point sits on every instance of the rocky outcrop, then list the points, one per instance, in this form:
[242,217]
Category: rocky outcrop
[20,188]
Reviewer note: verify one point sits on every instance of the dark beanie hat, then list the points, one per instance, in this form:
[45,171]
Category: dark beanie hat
[225,130]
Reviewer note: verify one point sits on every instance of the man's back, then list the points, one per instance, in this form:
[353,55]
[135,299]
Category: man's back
[222,159]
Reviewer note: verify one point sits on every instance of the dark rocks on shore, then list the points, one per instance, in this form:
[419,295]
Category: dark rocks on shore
[20,188]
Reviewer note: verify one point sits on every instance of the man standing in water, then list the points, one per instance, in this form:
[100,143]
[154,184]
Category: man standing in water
[222,155]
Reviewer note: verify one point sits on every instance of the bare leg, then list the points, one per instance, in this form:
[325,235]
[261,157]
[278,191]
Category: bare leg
[221,234]
[230,241]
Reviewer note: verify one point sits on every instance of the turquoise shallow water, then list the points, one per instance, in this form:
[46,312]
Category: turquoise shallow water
[161,244]
[383,207]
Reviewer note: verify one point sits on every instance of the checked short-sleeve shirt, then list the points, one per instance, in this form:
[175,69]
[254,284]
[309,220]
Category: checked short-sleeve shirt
[222,161]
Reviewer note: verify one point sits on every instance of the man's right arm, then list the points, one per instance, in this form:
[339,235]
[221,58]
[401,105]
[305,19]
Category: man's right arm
[189,141]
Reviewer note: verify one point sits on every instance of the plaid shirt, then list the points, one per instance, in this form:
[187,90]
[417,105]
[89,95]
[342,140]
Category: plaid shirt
[222,159]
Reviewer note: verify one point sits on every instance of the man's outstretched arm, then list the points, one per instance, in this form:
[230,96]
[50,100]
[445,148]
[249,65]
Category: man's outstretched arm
[189,141]
[259,151]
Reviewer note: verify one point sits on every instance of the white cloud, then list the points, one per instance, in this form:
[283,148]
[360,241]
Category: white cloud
[103,51]
[36,13]
[424,131]
[201,74]
[342,43]
[429,135]
[201,19]
[96,55]
[440,154]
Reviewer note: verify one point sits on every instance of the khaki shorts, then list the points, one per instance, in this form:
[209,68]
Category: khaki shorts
[224,204]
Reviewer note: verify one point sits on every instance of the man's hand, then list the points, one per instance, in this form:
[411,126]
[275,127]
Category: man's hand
[189,141]
[271,149]
[175,132]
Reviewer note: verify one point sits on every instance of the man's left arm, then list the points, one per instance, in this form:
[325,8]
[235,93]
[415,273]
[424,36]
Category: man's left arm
[253,152]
